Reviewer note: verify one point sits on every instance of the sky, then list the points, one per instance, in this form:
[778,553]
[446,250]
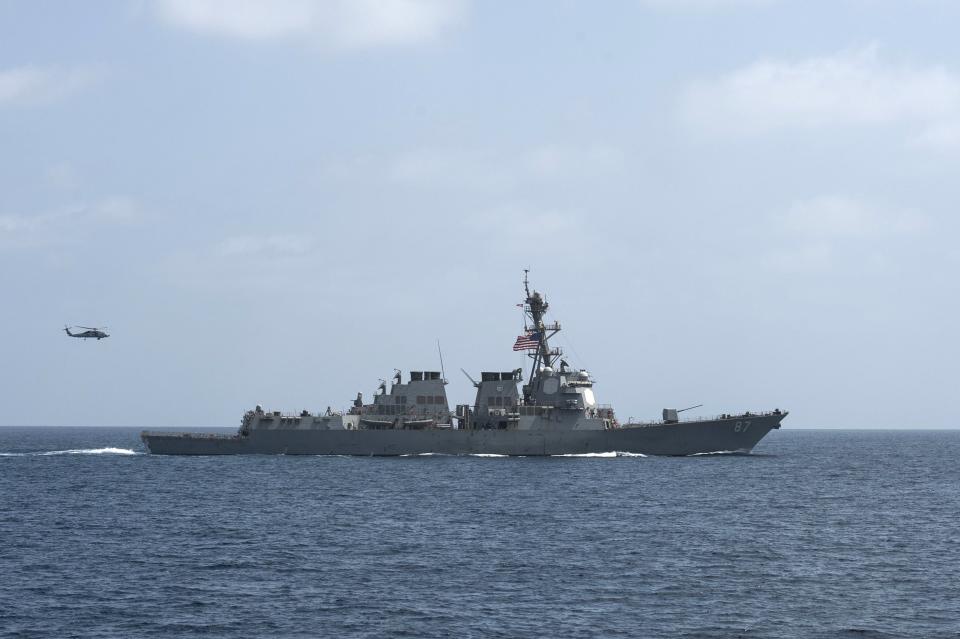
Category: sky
[745,204]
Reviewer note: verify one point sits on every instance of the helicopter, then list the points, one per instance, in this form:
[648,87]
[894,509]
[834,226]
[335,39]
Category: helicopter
[88,333]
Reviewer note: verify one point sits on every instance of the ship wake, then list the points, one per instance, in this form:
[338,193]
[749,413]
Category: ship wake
[721,452]
[615,453]
[452,455]
[75,451]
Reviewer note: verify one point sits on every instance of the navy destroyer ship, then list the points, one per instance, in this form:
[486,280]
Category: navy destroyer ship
[555,412]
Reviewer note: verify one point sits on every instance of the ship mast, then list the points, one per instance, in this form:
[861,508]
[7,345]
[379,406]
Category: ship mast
[535,307]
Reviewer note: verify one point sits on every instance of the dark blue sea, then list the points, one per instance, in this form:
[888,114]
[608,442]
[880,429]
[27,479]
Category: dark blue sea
[817,534]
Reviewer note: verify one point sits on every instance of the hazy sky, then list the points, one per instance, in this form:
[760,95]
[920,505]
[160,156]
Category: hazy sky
[743,203]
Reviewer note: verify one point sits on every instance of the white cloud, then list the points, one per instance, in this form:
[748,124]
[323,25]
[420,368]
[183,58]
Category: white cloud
[559,161]
[337,23]
[709,5]
[853,87]
[115,209]
[943,136]
[262,262]
[512,227]
[264,246]
[29,85]
[838,232]
[67,225]
[498,169]
[110,210]
[840,216]
[63,175]
[805,257]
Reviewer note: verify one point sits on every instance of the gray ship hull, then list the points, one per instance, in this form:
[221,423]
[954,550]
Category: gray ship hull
[684,438]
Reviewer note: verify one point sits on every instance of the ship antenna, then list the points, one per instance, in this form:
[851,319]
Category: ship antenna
[535,307]
[443,373]
[475,383]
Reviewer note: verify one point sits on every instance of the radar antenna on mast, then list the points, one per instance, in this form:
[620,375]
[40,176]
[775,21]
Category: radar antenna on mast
[535,306]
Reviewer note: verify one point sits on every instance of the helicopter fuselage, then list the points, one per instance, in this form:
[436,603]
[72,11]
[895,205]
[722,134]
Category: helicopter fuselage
[88,334]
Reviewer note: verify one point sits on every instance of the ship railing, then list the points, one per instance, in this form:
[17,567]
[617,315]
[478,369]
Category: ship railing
[409,412]
[603,411]
[530,409]
[710,418]
[187,435]
[276,414]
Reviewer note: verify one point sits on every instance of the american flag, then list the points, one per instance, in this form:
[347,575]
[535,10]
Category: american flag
[526,342]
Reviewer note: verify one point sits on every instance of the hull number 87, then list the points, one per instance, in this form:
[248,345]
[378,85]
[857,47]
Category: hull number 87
[741,427]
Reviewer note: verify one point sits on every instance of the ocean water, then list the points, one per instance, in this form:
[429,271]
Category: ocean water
[817,534]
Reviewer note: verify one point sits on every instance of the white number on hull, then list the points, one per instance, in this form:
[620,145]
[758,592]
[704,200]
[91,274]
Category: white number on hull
[741,427]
